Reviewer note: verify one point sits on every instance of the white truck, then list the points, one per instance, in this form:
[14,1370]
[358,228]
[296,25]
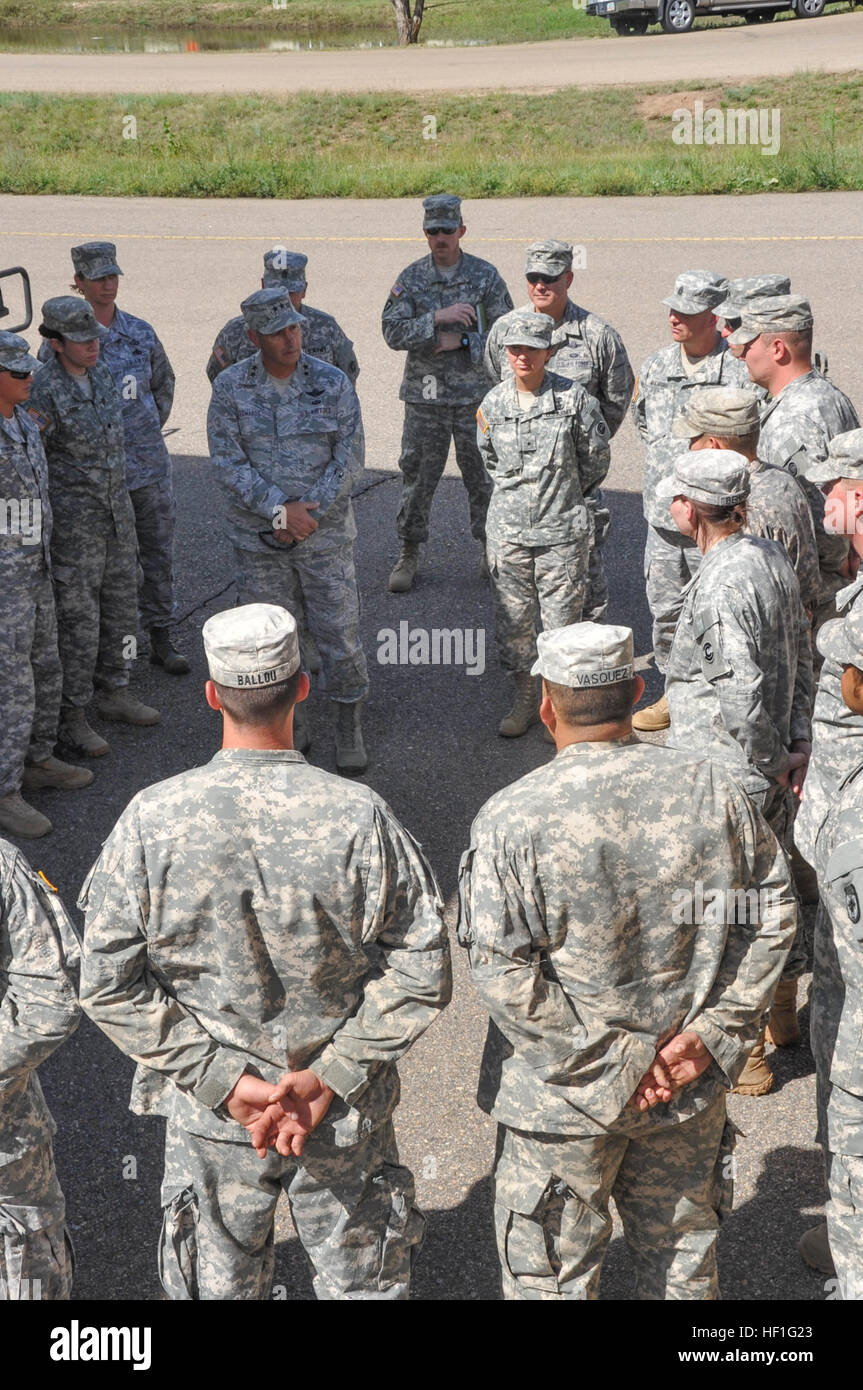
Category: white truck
[678,16]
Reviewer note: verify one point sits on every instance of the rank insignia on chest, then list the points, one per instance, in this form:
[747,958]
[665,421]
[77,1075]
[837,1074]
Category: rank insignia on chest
[314,392]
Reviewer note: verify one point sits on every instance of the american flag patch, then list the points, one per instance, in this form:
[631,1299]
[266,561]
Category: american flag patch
[397,290]
[40,419]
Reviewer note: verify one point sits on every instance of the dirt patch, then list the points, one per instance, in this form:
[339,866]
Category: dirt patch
[660,104]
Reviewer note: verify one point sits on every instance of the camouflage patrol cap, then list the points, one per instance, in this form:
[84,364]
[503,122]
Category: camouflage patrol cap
[95,259]
[584,655]
[442,210]
[548,258]
[73,318]
[285,269]
[15,354]
[269,310]
[742,292]
[528,330]
[785,313]
[844,459]
[697,290]
[252,646]
[842,639]
[717,477]
[723,411]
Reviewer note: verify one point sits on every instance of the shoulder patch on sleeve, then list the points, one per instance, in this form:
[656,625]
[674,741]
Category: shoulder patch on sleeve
[48,884]
[397,290]
[38,418]
[482,421]
[219,354]
[635,389]
[796,462]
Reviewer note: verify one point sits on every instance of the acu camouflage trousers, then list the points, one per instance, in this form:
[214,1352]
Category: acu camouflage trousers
[353,1209]
[671,1185]
[428,429]
[36,1259]
[670,561]
[530,584]
[95,590]
[155,517]
[30,673]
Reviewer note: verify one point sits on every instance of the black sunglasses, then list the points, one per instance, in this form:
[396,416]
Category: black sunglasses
[533,279]
[17,376]
[440,231]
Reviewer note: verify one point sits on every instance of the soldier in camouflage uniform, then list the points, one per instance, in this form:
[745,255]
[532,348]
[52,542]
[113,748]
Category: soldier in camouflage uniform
[582,899]
[145,379]
[30,673]
[317,926]
[286,440]
[588,351]
[802,412]
[322,338]
[837,748]
[38,1011]
[545,445]
[78,410]
[697,357]
[726,417]
[739,677]
[439,312]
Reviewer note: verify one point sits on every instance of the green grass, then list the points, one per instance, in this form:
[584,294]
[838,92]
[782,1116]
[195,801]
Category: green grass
[571,142]
[499,21]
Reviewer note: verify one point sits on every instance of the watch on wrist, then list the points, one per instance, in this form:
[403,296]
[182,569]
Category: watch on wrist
[465,340]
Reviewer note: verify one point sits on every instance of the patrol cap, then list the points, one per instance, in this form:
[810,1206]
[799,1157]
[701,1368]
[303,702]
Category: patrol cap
[285,269]
[15,354]
[717,477]
[742,292]
[269,310]
[697,290]
[73,317]
[94,259]
[526,329]
[842,639]
[250,647]
[548,258]
[584,655]
[785,313]
[844,459]
[442,210]
[723,411]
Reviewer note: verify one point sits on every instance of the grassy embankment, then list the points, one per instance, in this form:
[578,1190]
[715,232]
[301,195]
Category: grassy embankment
[497,21]
[604,141]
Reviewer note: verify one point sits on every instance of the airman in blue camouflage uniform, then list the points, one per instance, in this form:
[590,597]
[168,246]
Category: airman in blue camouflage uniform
[30,673]
[439,312]
[590,898]
[38,1011]
[587,350]
[79,413]
[317,929]
[323,338]
[545,445]
[286,440]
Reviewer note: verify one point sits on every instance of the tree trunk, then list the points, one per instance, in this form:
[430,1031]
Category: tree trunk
[408,25]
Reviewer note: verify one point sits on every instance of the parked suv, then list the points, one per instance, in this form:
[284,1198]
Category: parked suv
[677,16]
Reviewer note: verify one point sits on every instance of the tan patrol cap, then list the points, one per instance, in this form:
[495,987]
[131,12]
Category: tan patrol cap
[250,647]
[584,655]
[723,411]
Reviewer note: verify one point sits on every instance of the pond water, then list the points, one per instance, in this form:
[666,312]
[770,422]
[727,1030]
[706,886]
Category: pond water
[57,39]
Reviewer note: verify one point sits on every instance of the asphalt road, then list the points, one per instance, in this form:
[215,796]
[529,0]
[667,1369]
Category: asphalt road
[829,44]
[430,731]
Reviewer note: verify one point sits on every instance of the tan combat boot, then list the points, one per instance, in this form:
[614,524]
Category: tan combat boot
[121,705]
[17,818]
[756,1077]
[350,749]
[404,571]
[814,1249]
[53,773]
[76,735]
[525,710]
[653,718]
[783,1030]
